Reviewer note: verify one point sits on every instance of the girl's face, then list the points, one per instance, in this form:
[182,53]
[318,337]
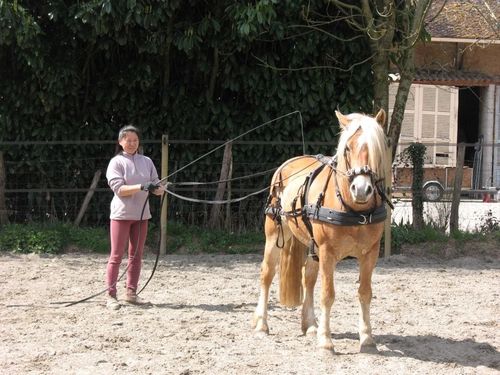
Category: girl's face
[129,143]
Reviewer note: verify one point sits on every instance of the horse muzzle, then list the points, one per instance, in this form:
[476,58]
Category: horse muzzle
[361,188]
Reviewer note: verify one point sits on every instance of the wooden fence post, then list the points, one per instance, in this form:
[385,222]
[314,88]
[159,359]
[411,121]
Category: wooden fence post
[228,204]
[87,199]
[163,217]
[457,188]
[215,213]
[388,220]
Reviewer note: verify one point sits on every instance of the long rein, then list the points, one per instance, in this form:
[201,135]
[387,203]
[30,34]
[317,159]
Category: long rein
[155,265]
[164,182]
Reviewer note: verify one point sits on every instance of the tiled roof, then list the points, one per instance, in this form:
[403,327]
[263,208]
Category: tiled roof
[464,19]
[454,78]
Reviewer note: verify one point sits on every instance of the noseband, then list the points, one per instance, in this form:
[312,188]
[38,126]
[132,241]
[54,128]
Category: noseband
[359,171]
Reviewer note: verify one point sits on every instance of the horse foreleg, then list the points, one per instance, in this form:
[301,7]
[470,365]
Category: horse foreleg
[267,272]
[326,264]
[366,265]
[309,276]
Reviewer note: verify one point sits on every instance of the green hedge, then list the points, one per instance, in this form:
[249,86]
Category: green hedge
[52,239]
[194,70]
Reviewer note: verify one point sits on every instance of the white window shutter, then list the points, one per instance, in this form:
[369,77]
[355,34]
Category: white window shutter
[430,118]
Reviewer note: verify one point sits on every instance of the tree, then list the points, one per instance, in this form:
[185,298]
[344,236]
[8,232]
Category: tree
[391,28]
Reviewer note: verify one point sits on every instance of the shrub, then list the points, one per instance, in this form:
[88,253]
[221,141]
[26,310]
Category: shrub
[52,238]
[31,239]
[13,238]
[489,223]
[405,234]
[94,239]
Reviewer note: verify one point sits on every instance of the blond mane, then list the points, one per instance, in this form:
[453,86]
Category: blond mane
[372,135]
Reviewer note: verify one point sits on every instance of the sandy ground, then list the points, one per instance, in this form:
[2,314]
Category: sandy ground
[428,317]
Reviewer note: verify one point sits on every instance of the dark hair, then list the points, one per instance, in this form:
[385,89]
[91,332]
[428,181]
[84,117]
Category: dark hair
[126,129]
[122,133]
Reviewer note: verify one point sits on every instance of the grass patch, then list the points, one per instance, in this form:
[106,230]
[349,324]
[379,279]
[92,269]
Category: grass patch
[59,238]
[183,238]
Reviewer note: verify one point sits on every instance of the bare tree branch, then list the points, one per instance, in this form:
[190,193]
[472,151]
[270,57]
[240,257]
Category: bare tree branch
[315,67]
[327,33]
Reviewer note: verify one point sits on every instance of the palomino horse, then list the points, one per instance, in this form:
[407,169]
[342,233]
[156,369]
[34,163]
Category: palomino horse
[335,207]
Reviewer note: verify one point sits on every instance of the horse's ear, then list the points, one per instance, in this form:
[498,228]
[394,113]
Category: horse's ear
[343,120]
[381,118]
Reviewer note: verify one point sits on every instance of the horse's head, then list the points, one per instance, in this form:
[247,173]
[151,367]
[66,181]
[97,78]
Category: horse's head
[362,153]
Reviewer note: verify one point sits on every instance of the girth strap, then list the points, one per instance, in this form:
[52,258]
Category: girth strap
[304,203]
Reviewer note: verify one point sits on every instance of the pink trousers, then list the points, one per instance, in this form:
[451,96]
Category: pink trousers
[123,232]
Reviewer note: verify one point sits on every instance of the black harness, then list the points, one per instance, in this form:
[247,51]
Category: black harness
[315,211]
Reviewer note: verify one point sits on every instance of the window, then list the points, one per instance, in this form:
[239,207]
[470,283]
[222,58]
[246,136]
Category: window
[430,118]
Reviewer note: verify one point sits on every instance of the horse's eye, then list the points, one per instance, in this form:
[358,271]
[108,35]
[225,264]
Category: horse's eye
[347,149]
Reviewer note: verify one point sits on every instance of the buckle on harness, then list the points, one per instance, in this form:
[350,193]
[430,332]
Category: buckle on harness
[367,219]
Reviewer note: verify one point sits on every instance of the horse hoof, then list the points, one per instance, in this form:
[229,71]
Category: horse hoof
[329,349]
[260,333]
[326,345]
[260,328]
[368,348]
[311,331]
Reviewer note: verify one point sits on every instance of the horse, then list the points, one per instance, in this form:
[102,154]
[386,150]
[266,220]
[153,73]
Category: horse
[321,210]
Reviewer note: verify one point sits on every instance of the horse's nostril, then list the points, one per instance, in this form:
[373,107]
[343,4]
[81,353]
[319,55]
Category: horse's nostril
[369,190]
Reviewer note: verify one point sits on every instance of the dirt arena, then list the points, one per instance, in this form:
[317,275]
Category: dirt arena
[428,317]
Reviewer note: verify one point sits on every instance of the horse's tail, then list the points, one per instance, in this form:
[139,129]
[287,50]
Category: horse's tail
[291,262]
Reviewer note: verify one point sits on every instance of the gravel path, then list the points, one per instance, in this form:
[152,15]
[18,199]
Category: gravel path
[427,317]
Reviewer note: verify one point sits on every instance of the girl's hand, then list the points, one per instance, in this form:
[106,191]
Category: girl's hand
[159,190]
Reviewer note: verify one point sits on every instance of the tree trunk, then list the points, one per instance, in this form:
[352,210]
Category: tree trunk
[213,75]
[215,214]
[417,202]
[380,31]
[457,188]
[398,111]
[380,86]
[166,62]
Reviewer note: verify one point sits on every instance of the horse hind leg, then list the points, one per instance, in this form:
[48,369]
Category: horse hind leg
[367,263]
[309,277]
[268,271]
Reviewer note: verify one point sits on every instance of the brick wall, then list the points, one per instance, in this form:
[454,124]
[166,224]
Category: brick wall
[445,175]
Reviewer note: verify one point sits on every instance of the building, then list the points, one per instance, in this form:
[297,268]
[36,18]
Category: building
[455,96]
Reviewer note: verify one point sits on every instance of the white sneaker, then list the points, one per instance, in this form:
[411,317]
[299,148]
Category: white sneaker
[112,303]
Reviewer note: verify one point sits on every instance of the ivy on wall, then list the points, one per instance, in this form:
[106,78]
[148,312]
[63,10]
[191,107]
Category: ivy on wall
[416,155]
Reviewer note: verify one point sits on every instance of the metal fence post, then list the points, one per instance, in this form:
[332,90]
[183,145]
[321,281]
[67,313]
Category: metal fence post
[388,192]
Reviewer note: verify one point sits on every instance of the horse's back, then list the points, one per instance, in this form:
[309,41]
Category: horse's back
[293,169]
